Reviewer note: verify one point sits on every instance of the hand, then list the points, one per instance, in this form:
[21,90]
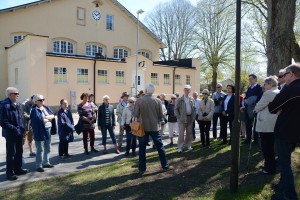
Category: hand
[94,116]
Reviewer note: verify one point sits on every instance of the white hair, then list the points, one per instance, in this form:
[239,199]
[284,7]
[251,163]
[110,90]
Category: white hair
[105,97]
[150,88]
[282,71]
[131,99]
[10,90]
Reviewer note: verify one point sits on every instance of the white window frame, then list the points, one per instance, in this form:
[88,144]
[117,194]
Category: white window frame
[177,78]
[188,80]
[154,78]
[120,53]
[61,76]
[18,38]
[120,77]
[82,75]
[167,80]
[102,78]
[92,49]
[109,22]
[63,47]
[146,54]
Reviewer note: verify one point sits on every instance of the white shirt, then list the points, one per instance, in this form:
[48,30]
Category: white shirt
[253,85]
[226,102]
[188,105]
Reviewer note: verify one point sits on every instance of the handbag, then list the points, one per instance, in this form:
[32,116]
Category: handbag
[53,129]
[78,127]
[137,128]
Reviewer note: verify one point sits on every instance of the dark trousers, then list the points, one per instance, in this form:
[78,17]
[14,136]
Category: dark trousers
[14,152]
[204,130]
[215,123]
[63,148]
[85,134]
[194,126]
[225,121]
[249,126]
[267,148]
[111,132]
[286,183]
[130,139]
[156,137]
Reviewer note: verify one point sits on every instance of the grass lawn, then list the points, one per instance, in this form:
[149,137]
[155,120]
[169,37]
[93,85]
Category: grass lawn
[198,174]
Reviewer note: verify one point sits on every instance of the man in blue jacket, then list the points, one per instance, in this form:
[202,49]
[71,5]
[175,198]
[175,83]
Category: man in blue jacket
[12,130]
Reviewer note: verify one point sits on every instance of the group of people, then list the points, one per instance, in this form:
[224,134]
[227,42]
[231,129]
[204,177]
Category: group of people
[268,112]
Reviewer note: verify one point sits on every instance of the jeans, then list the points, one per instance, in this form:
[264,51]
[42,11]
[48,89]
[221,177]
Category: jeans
[286,183]
[63,148]
[85,138]
[43,147]
[204,130]
[110,130]
[267,148]
[14,151]
[194,126]
[156,137]
[130,139]
[215,123]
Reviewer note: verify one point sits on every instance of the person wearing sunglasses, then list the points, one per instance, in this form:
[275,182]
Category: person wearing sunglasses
[281,80]
[12,130]
[218,98]
[41,117]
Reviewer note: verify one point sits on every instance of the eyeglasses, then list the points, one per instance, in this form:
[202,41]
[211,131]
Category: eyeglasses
[15,93]
[41,100]
[131,101]
[280,76]
[286,73]
[204,93]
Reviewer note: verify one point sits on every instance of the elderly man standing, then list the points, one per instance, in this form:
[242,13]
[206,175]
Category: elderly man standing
[218,98]
[12,130]
[186,113]
[286,129]
[150,110]
[119,111]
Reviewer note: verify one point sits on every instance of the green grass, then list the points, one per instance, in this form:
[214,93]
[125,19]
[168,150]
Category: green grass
[199,174]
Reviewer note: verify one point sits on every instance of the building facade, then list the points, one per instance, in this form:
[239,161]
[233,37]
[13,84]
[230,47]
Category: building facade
[62,48]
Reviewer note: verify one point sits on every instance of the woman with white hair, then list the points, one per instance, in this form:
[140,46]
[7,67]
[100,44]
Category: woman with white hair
[125,124]
[106,122]
[172,119]
[265,124]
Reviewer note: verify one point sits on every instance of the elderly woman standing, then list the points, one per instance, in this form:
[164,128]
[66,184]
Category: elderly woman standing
[125,124]
[88,117]
[172,119]
[41,117]
[106,122]
[65,129]
[265,124]
[205,114]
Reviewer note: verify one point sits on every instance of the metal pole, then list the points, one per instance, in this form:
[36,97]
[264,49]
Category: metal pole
[140,11]
[235,143]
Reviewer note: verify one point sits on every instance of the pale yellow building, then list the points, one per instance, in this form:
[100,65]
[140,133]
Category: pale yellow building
[62,48]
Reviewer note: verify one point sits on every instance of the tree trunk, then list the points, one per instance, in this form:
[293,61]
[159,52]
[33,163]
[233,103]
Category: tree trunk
[214,78]
[280,34]
[296,50]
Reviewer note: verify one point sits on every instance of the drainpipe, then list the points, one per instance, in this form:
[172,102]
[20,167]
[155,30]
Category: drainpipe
[94,80]
[174,80]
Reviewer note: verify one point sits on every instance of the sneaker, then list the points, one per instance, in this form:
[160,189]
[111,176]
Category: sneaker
[22,172]
[190,148]
[40,169]
[48,166]
[117,151]
[32,154]
[11,177]
[23,160]
[179,150]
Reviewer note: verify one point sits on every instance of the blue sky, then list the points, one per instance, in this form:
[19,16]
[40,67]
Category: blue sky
[131,5]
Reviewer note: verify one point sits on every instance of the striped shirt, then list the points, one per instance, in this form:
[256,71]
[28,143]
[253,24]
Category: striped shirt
[107,116]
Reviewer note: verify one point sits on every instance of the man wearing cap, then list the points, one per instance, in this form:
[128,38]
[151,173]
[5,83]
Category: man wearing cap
[186,114]
[119,112]
[12,130]
[217,97]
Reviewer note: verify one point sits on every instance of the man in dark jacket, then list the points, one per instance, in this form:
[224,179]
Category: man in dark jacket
[12,130]
[286,130]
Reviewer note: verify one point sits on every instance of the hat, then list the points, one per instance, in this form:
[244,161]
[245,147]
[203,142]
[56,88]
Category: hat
[187,87]
[38,97]
[205,91]
[124,94]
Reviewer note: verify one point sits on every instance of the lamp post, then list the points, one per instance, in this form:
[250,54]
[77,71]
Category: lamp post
[140,11]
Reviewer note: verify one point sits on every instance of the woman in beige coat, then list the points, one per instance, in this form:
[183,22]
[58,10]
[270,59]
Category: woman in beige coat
[265,124]
[205,114]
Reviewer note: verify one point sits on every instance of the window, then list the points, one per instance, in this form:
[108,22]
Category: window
[109,22]
[16,76]
[62,46]
[18,38]
[82,75]
[146,54]
[167,79]
[92,49]
[188,80]
[177,79]
[120,77]
[102,76]
[81,16]
[120,53]
[154,78]
[60,75]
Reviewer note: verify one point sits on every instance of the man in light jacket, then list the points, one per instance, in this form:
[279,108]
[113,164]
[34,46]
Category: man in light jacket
[150,110]
[186,114]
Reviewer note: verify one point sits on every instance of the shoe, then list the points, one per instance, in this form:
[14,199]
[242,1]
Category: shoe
[105,151]
[11,177]
[32,154]
[208,146]
[133,154]
[117,151]
[68,156]
[48,166]
[246,142]
[179,150]
[276,188]
[153,147]
[142,172]
[171,144]
[126,154]
[223,143]
[40,169]
[21,172]
[94,150]
[86,152]
[23,160]
[190,148]
[168,169]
